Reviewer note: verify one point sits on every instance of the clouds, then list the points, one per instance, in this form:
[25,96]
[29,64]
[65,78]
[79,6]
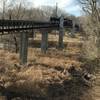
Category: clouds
[74,9]
[61,3]
[69,6]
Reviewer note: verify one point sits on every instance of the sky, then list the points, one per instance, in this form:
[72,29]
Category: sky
[70,6]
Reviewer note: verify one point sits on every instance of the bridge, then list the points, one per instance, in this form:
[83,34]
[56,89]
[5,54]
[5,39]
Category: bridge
[19,25]
[23,27]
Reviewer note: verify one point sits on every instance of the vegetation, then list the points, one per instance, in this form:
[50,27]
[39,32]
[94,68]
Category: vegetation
[66,74]
[91,27]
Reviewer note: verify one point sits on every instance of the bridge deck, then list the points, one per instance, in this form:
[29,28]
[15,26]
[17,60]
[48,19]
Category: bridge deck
[19,25]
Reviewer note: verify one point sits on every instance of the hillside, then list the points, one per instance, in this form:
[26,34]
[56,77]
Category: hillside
[46,76]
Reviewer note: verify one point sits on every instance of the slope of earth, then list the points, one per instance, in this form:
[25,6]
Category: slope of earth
[96,88]
[43,78]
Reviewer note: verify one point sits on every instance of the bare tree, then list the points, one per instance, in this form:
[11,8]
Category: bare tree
[92,24]
[11,11]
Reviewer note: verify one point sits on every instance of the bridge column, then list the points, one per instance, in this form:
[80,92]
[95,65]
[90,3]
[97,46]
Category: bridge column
[73,30]
[44,42]
[23,47]
[33,34]
[61,33]
[73,26]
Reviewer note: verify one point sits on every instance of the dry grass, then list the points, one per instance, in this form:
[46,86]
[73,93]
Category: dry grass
[11,58]
[41,71]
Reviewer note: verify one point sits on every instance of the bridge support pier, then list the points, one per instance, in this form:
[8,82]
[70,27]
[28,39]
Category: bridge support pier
[44,42]
[73,27]
[33,34]
[73,30]
[61,33]
[23,47]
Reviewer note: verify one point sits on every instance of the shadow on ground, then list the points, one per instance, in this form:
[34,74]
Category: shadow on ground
[73,89]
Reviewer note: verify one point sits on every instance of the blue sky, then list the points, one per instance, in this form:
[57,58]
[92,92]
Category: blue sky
[70,6]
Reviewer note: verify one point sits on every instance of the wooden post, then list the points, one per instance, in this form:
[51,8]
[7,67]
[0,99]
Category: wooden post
[23,47]
[44,42]
[61,32]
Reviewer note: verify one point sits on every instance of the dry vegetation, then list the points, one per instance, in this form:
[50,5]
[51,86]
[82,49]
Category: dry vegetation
[46,76]
[43,76]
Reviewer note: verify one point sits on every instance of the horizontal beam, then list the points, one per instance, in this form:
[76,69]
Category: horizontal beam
[19,25]
[7,29]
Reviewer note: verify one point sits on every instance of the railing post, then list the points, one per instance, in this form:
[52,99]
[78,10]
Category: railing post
[61,32]
[44,42]
[23,47]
